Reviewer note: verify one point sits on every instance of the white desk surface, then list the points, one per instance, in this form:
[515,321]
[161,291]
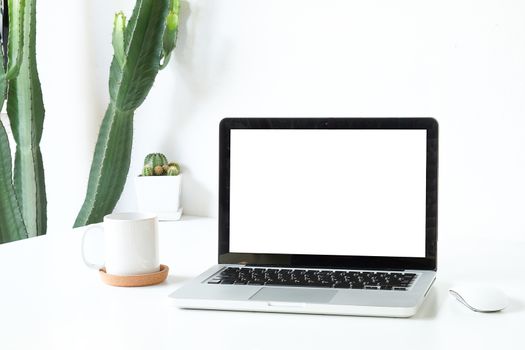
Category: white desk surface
[50,300]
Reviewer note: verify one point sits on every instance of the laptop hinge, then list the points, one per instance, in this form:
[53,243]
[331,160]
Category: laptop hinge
[321,267]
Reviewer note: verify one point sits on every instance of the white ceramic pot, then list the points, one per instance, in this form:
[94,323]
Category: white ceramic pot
[160,195]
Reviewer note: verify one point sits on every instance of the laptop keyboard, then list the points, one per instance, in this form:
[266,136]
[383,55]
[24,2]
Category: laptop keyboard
[314,278]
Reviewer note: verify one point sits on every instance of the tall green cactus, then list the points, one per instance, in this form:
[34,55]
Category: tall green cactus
[22,203]
[140,46]
[25,108]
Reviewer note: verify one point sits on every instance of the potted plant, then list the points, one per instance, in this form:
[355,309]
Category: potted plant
[158,187]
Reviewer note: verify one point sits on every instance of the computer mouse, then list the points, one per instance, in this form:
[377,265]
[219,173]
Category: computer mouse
[480,299]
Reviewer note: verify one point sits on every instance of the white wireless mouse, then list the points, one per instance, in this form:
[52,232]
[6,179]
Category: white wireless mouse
[480,299]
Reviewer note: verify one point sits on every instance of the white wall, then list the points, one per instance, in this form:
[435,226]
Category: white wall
[71,121]
[462,62]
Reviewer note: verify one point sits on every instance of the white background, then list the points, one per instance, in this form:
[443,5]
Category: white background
[331,192]
[460,61]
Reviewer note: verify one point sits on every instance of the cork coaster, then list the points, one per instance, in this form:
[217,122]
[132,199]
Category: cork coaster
[135,280]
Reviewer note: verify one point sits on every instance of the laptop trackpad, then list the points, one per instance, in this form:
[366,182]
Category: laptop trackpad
[297,295]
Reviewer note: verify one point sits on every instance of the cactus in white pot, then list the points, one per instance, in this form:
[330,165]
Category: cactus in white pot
[158,187]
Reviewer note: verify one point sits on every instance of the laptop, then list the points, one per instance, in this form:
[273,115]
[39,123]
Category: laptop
[323,216]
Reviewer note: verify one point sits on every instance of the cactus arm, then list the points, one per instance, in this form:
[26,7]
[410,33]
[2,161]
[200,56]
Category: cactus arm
[26,114]
[128,86]
[11,221]
[170,33]
[119,26]
[16,20]
[143,41]
[109,167]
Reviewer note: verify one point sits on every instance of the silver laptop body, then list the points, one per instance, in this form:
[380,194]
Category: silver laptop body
[323,216]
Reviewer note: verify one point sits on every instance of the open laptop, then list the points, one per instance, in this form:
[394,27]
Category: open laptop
[323,216]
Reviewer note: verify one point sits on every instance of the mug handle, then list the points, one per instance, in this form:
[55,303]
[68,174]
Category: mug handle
[83,249]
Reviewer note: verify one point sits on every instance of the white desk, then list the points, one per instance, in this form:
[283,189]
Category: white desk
[50,300]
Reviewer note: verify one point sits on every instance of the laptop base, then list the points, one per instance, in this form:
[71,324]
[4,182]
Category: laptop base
[196,294]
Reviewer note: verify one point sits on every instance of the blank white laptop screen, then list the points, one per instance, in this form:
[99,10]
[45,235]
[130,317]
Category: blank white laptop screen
[328,192]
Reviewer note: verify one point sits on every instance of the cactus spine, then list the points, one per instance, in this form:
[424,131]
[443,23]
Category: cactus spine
[158,170]
[138,51]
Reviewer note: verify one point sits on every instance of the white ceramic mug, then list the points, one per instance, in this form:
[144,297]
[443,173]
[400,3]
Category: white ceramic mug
[131,244]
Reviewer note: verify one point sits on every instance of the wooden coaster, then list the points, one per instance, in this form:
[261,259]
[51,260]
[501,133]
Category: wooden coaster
[135,280]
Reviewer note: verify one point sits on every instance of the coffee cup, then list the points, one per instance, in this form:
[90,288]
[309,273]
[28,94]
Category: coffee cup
[131,244]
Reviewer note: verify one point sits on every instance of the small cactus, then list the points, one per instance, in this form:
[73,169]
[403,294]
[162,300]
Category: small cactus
[173,171]
[158,170]
[175,165]
[155,159]
[147,171]
[162,167]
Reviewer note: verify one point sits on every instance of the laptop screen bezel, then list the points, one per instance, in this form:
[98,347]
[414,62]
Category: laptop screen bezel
[429,262]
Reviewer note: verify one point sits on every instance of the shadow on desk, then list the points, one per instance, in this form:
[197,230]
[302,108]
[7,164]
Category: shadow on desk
[515,305]
[430,307]
[173,279]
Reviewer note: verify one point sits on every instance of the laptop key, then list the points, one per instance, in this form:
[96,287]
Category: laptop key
[318,284]
[228,273]
[372,287]
[232,269]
